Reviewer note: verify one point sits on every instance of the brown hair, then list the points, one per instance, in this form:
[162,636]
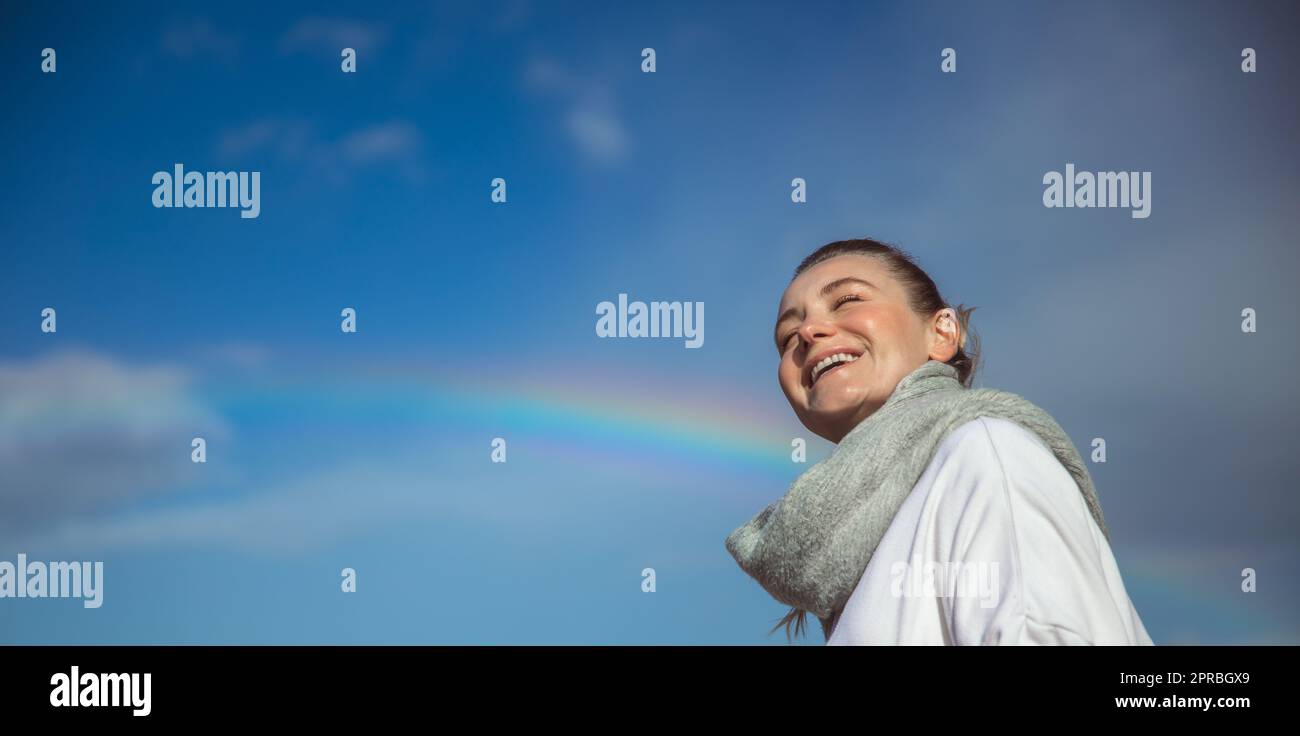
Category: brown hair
[925,300]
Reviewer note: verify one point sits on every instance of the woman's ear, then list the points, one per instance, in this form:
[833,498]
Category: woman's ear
[945,335]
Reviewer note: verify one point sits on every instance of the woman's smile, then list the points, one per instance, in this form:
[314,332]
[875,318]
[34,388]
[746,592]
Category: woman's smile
[828,361]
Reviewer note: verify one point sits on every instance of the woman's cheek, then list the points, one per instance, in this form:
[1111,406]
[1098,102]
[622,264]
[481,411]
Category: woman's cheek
[786,375]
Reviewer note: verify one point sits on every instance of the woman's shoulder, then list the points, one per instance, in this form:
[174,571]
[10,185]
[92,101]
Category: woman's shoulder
[1008,466]
[993,444]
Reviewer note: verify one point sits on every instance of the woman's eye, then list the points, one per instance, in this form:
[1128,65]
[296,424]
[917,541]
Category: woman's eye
[847,298]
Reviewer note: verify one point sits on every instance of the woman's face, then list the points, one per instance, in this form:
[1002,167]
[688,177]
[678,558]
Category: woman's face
[850,305]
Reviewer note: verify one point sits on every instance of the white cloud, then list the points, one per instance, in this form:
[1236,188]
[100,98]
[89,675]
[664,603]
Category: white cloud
[302,513]
[395,143]
[193,37]
[324,504]
[387,142]
[333,34]
[589,112]
[80,431]
[252,137]
[235,354]
[597,132]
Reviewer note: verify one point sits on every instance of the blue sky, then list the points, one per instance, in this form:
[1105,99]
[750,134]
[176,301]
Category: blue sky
[371,450]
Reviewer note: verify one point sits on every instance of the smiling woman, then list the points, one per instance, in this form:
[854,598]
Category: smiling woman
[927,474]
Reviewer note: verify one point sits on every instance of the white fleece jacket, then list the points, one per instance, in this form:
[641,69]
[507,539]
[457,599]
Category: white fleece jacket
[994,545]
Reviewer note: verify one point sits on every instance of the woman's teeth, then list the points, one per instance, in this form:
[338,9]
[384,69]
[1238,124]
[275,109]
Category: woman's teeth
[826,363]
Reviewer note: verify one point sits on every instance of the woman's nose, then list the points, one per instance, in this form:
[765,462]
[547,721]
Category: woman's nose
[814,329]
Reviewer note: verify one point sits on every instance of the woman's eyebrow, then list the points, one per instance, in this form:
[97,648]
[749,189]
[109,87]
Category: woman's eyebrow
[837,283]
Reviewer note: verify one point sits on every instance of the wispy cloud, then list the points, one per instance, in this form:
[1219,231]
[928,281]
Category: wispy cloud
[384,143]
[288,138]
[315,509]
[396,143]
[333,34]
[199,37]
[589,114]
[80,431]
[597,132]
[512,15]
[236,354]
[321,504]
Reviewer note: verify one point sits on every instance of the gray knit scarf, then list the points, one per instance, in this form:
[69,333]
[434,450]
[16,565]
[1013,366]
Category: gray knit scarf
[809,548]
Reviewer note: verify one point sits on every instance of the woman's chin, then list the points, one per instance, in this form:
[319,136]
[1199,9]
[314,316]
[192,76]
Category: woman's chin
[831,403]
[827,415]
